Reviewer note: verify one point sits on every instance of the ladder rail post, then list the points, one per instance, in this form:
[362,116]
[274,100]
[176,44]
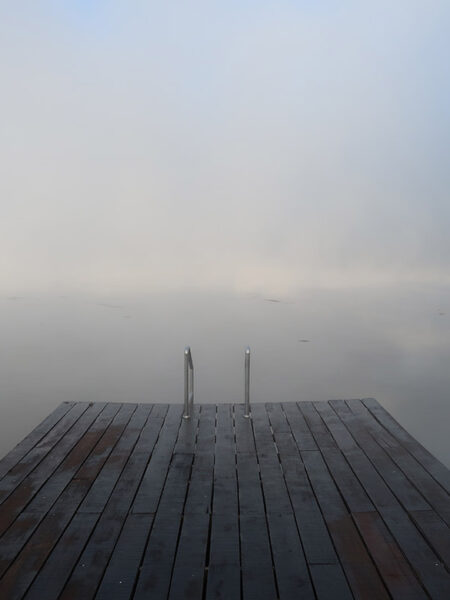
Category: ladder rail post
[188,383]
[247,383]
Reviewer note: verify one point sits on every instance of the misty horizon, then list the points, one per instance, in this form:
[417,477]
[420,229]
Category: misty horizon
[245,147]
[223,175]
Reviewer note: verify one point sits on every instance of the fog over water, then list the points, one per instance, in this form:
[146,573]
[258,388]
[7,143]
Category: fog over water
[220,175]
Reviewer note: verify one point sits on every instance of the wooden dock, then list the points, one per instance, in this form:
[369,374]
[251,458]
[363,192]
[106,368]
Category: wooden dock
[329,500]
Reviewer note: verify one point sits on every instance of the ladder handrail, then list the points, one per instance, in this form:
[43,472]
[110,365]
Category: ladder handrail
[188,383]
[247,383]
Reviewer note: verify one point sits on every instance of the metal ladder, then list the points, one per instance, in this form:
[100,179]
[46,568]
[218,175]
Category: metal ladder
[189,383]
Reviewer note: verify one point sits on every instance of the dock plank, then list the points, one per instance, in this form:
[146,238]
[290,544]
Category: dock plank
[123,568]
[105,481]
[32,557]
[88,572]
[23,494]
[276,497]
[429,488]
[33,438]
[21,530]
[409,484]
[299,427]
[54,574]
[258,576]
[329,500]
[394,569]
[157,564]
[49,442]
[151,486]
[314,534]
[291,570]
[423,560]
[356,562]
[67,470]
[430,462]
[189,574]
[390,561]
[224,562]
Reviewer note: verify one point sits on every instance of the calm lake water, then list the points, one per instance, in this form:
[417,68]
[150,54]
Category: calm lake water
[392,344]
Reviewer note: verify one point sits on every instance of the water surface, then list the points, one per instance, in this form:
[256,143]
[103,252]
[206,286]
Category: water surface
[390,343]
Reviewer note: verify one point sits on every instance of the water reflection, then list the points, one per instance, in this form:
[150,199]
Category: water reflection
[391,343]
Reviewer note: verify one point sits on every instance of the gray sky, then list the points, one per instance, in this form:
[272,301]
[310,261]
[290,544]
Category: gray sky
[246,145]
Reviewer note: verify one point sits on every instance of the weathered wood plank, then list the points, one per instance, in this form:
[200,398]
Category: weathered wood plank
[329,583]
[314,534]
[189,575]
[30,560]
[251,500]
[264,441]
[156,569]
[277,417]
[428,487]
[224,568]
[431,463]
[436,532]
[258,577]
[16,537]
[245,443]
[53,487]
[206,433]
[225,448]
[225,498]
[123,568]
[224,543]
[89,570]
[175,489]
[54,574]
[151,486]
[17,501]
[424,561]
[319,430]
[50,442]
[338,430]
[130,478]
[394,569]
[223,582]
[299,427]
[187,434]
[199,496]
[396,572]
[21,530]
[349,486]
[326,500]
[356,562]
[402,486]
[290,564]
[276,497]
[104,483]
[33,438]
[225,489]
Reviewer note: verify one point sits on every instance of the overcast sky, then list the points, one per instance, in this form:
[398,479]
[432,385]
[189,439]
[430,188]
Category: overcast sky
[241,145]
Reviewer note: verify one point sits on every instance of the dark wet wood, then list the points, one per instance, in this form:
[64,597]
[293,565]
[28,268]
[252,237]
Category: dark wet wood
[326,500]
[33,438]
